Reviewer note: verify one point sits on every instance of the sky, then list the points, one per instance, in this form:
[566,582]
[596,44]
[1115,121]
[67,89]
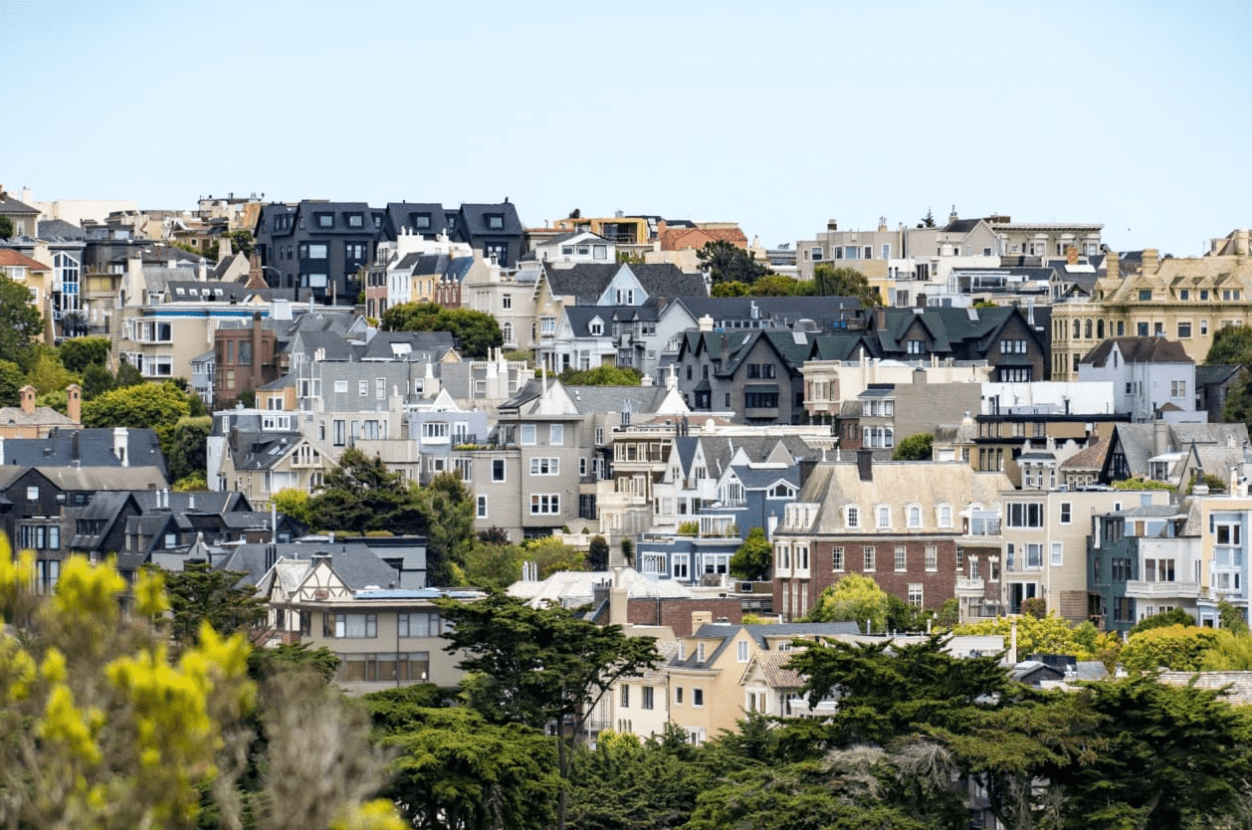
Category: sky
[777,115]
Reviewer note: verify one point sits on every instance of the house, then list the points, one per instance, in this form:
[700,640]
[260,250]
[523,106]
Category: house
[588,336]
[62,247]
[753,376]
[829,382]
[338,598]
[1145,558]
[884,414]
[1046,533]
[1008,338]
[38,279]
[915,527]
[22,216]
[1148,295]
[1152,377]
[318,249]
[569,248]
[1171,453]
[30,421]
[79,447]
[1213,383]
[492,230]
[260,452]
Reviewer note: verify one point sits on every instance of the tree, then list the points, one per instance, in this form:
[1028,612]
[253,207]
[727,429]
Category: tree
[77,353]
[598,553]
[156,406]
[446,510]
[778,285]
[96,381]
[12,379]
[188,447]
[1231,344]
[830,281]
[294,503]
[46,373]
[20,322]
[733,288]
[1049,635]
[1036,607]
[628,552]
[456,771]
[603,375]
[475,332]
[1231,617]
[6,227]
[1176,647]
[915,448]
[361,494]
[1176,616]
[489,565]
[551,555]
[725,262]
[105,729]
[200,594]
[537,666]
[754,557]
[854,598]
[1229,652]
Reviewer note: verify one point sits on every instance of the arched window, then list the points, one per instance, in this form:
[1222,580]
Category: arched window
[1077,329]
[507,331]
[1087,329]
[1099,329]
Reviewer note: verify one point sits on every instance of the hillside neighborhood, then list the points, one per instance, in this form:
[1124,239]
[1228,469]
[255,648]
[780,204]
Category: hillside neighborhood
[892,482]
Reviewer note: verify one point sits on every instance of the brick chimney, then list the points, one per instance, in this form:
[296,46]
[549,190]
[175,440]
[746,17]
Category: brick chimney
[1151,261]
[28,399]
[74,403]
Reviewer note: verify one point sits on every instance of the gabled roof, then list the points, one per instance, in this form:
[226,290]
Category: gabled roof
[12,207]
[85,448]
[10,258]
[1207,374]
[1138,350]
[357,565]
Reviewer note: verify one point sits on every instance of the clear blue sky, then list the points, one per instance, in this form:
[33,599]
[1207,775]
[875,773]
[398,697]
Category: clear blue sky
[777,115]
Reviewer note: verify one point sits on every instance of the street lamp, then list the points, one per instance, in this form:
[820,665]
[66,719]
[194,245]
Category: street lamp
[279,281]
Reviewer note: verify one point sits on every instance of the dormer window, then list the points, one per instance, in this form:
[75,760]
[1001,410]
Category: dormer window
[356,220]
[495,221]
[596,327]
[422,221]
[326,220]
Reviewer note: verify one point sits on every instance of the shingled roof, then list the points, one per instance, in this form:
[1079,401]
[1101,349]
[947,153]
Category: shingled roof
[1139,350]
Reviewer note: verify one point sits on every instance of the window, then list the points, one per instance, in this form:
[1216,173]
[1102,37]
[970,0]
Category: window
[625,696]
[355,626]
[1058,554]
[495,221]
[1178,389]
[945,515]
[852,517]
[1184,329]
[741,651]
[32,493]
[883,514]
[545,466]
[528,434]
[1145,295]
[1029,514]
[545,504]
[868,552]
[915,347]
[678,690]
[435,429]
[556,435]
[497,469]
[317,251]
[697,697]
[600,434]
[363,387]
[339,433]
[341,387]
[1034,555]
[1067,512]
[914,514]
[915,594]
[902,558]
[932,557]
[836,559]
[482,507]
[648,697]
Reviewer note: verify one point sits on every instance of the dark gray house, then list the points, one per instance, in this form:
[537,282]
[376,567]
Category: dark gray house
[492,230]
[317,247]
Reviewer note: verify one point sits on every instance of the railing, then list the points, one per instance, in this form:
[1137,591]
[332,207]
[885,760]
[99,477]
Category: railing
[1141,589]
[968,585]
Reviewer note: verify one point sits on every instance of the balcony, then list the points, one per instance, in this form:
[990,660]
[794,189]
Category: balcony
[1138,589]
[969,587]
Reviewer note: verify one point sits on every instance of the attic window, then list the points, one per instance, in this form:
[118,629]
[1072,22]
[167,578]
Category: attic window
[597,327]
[495,221]
[326,220]
[422,221]
[356,220]
[179,291]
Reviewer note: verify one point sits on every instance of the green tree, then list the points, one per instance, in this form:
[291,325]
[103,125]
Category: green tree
[6,227]
[1176,616]
[188,443]
[854,598]
[1231,344]
[96,381]
[12,379]
[1232,618]
[754,557]
[733,288]
[725,262]
[156,406]
[105,729]
[456,771]
[77,353]
[915,448]
[844,282]
[294,503]
[628,552]
[603,375]
[539,666]
[127,375]
[1036,607]
[446,510]
[1229,652]
[778,285]
[46,373]
[200,594]
[551,555]
[20,322]
[598,554]
[489,565]
[1176,647]
[360,494]
[476,332]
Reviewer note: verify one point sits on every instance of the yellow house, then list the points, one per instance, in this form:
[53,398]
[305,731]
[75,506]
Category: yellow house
[1183,298]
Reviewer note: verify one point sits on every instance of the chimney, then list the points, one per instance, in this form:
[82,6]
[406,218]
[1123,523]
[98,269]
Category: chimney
[882,224]
[1151,261]
[1160,438]
[699,618]
[257,382]
[865,464]
[121,443]
[1071,254]
[1241,242]
[952,217]
[28,399]
[618,599]
[1111,266]
[705,323]
[74,403]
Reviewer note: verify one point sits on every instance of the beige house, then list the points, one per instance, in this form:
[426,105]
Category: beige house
[30,421]
[1183,298]
[384,637]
